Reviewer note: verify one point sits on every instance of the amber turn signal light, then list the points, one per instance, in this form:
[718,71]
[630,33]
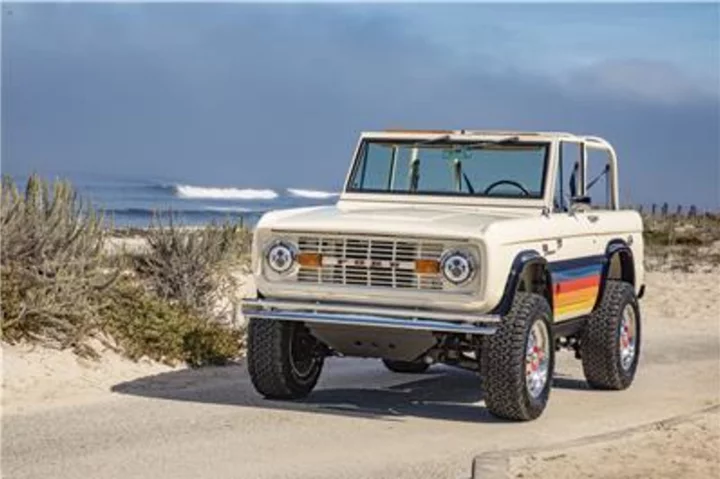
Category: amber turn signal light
[427,266]
[309,260]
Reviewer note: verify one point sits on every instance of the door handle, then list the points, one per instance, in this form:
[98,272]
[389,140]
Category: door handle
[593,218]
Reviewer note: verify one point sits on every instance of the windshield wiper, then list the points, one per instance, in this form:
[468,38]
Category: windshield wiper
[414,174]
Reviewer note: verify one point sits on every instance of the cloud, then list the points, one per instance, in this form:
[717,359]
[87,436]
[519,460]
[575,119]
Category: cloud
[638,79]
[275,96]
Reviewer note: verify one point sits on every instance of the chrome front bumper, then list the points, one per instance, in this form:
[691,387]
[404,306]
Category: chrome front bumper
[370,316]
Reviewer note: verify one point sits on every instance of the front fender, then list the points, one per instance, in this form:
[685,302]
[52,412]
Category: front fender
[521,261]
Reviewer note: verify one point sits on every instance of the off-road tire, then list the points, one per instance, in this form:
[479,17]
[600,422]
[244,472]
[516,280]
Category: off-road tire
[410,367]
[503,361]
[599,345]
[269,363]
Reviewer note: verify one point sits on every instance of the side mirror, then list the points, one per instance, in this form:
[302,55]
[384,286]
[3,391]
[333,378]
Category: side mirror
[579,203]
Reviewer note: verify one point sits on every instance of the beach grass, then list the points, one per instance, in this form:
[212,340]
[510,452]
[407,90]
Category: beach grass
[682,242]
[63,288]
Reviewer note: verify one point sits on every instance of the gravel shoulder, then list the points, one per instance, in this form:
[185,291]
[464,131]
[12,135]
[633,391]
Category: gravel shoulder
[687,448]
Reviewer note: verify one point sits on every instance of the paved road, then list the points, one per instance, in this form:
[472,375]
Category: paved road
[362,421]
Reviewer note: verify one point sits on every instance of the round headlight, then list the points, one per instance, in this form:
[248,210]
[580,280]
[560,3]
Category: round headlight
[281,257]
[457,267]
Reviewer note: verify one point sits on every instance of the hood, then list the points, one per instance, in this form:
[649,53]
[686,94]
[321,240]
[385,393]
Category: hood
[412,220]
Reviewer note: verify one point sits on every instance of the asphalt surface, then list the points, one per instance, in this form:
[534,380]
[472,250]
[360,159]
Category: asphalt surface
[361,421]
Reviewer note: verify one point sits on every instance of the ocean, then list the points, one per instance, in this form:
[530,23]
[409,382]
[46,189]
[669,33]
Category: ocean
[129,202]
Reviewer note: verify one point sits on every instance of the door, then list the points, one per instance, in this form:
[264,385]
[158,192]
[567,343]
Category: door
[577,266]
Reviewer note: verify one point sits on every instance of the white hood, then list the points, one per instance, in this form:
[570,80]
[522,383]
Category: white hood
[371,218]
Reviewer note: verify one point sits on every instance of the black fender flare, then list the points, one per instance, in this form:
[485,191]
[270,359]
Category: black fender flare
[614,246]
[522,260]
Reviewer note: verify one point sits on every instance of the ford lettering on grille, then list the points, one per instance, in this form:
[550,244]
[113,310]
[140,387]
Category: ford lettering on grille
[370,261]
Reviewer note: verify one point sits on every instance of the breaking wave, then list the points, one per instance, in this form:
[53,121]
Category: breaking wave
[194,192]
[311,193]
[212,193]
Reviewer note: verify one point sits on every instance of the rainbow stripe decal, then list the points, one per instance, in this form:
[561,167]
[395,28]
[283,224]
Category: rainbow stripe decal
[576,284]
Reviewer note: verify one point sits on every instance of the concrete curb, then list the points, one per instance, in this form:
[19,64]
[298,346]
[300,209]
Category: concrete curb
[491,465]
[495,464]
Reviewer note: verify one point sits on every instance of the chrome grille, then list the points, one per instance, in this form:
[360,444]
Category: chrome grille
[365,261]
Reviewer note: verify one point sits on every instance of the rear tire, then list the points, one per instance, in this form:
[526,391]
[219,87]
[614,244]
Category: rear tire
[610,345]
[284,360]
[410,367]
[519,359]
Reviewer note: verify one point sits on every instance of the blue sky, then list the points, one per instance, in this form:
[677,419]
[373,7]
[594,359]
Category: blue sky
[275,95]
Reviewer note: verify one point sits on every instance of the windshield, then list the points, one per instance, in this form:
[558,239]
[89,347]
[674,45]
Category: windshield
[505,169]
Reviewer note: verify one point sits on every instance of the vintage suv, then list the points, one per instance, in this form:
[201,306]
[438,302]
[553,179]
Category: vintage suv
[486,250]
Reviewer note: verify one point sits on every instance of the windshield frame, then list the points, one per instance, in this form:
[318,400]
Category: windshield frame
[448,196]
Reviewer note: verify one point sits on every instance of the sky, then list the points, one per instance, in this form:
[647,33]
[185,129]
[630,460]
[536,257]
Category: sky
[273,96]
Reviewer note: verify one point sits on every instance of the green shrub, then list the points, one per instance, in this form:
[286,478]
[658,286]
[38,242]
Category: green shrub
[195,267]
[211,345]
[53,272]
[144,325]
[49,223]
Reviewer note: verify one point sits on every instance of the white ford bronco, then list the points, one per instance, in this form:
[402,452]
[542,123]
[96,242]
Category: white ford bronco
[485,250]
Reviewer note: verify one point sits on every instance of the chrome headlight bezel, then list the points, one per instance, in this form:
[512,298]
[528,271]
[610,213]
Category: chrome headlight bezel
[275,252]
[458,267]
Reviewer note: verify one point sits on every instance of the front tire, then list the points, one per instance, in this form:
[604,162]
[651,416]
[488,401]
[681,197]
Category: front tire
[410,367]
[284,359]
[519,359]
[610,346]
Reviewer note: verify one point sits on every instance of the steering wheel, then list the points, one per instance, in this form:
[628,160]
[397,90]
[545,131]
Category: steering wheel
[507,182]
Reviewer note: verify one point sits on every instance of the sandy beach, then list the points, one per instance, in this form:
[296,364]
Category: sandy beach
[37,378]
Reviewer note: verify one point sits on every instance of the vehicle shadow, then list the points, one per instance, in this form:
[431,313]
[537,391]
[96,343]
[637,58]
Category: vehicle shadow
[443,393]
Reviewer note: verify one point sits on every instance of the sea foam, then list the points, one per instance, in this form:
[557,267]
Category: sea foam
[205,192]
[311,193]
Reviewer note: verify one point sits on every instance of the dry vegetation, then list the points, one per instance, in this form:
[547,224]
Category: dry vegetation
[686,243]
[61,288]
[193,266]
